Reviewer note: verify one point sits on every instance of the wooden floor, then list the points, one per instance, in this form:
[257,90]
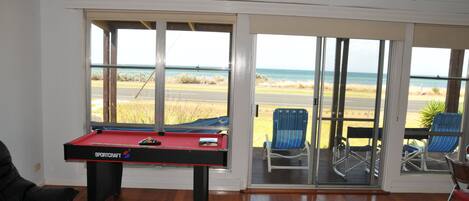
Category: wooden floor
[185,195]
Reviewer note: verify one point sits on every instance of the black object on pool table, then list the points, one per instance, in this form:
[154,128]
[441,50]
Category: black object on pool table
[149,141]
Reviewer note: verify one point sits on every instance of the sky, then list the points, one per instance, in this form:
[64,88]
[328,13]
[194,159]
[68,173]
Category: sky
[183,48]
[299,52]
[211,49]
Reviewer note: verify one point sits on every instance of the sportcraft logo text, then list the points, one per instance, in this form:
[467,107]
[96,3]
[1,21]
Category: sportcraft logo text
[125,155]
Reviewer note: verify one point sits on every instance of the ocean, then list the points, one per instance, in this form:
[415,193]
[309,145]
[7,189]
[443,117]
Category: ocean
[286,75]
[352,77]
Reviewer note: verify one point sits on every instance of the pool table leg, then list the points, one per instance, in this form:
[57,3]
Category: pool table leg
[200,192]
[103,180]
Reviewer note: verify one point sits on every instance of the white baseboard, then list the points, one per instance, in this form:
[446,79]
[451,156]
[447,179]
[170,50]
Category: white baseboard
[419,186]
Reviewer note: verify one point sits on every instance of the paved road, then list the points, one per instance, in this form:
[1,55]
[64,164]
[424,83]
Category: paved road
[271,99]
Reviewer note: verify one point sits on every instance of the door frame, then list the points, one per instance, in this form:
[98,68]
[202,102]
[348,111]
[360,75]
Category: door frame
[340,64]
[320,56]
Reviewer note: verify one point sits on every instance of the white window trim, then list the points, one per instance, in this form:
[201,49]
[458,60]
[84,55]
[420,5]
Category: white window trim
[232,178]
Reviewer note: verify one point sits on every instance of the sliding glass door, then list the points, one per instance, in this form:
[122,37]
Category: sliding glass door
[318,110]
[283,85]
[349,102]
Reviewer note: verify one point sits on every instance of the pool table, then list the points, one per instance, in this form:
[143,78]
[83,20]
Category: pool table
[105,152]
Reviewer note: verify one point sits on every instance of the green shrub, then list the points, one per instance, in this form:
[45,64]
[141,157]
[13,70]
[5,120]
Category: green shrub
[430,111]
[187,79]
[192,79]
[123,77]
[261,78]
[96,76]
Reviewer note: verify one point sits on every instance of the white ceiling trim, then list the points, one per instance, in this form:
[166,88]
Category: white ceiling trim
[450,6]
[451,12]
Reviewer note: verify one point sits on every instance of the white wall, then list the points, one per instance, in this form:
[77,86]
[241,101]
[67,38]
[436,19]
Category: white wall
[20,85]
[63,77]
[42,82]
[62,90]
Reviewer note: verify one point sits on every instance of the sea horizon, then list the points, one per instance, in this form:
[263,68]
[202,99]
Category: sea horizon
[291,75]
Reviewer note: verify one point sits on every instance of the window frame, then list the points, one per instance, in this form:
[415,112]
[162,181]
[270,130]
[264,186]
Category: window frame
[160,68]
[464,82]
[227,69]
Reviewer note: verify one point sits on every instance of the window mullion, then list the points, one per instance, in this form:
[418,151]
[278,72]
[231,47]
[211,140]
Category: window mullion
[465,126]
[160,75]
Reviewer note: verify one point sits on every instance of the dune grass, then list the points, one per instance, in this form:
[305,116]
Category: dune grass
[176,112]
[142,111]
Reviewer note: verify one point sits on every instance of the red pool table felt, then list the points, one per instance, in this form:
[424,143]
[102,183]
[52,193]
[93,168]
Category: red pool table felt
[178,141]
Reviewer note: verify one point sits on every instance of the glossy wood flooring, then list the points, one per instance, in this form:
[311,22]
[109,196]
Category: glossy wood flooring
[185,195]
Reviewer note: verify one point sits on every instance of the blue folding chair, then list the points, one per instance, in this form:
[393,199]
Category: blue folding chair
[448,123]
[289,134]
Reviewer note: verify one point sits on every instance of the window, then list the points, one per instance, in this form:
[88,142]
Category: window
[197,72]
[284,79]
[123,74]
[437,85]
[97,101]
[122,79]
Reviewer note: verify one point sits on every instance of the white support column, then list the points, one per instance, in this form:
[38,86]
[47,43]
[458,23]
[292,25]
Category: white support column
[465,125]
[87,46]
[398,90]
[253,104]
[242,101]
[396,107]
[316,116]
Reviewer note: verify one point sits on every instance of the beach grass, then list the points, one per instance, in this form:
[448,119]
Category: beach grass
[142,111]
[176,112]
[179,111]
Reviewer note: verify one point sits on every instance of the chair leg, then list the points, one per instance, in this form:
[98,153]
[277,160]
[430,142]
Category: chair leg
[403,163]
[407,159]
[346,162]
[424,159]
[451,194]
[308,153]
[367,169]
[269,165]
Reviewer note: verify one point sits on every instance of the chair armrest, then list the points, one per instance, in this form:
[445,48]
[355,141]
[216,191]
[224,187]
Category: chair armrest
[307,143]
[342,140]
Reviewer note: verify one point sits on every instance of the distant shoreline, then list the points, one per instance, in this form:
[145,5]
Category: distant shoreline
[270,75]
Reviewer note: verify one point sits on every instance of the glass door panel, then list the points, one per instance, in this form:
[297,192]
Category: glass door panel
[284,81]
[341,88]
[349,111]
